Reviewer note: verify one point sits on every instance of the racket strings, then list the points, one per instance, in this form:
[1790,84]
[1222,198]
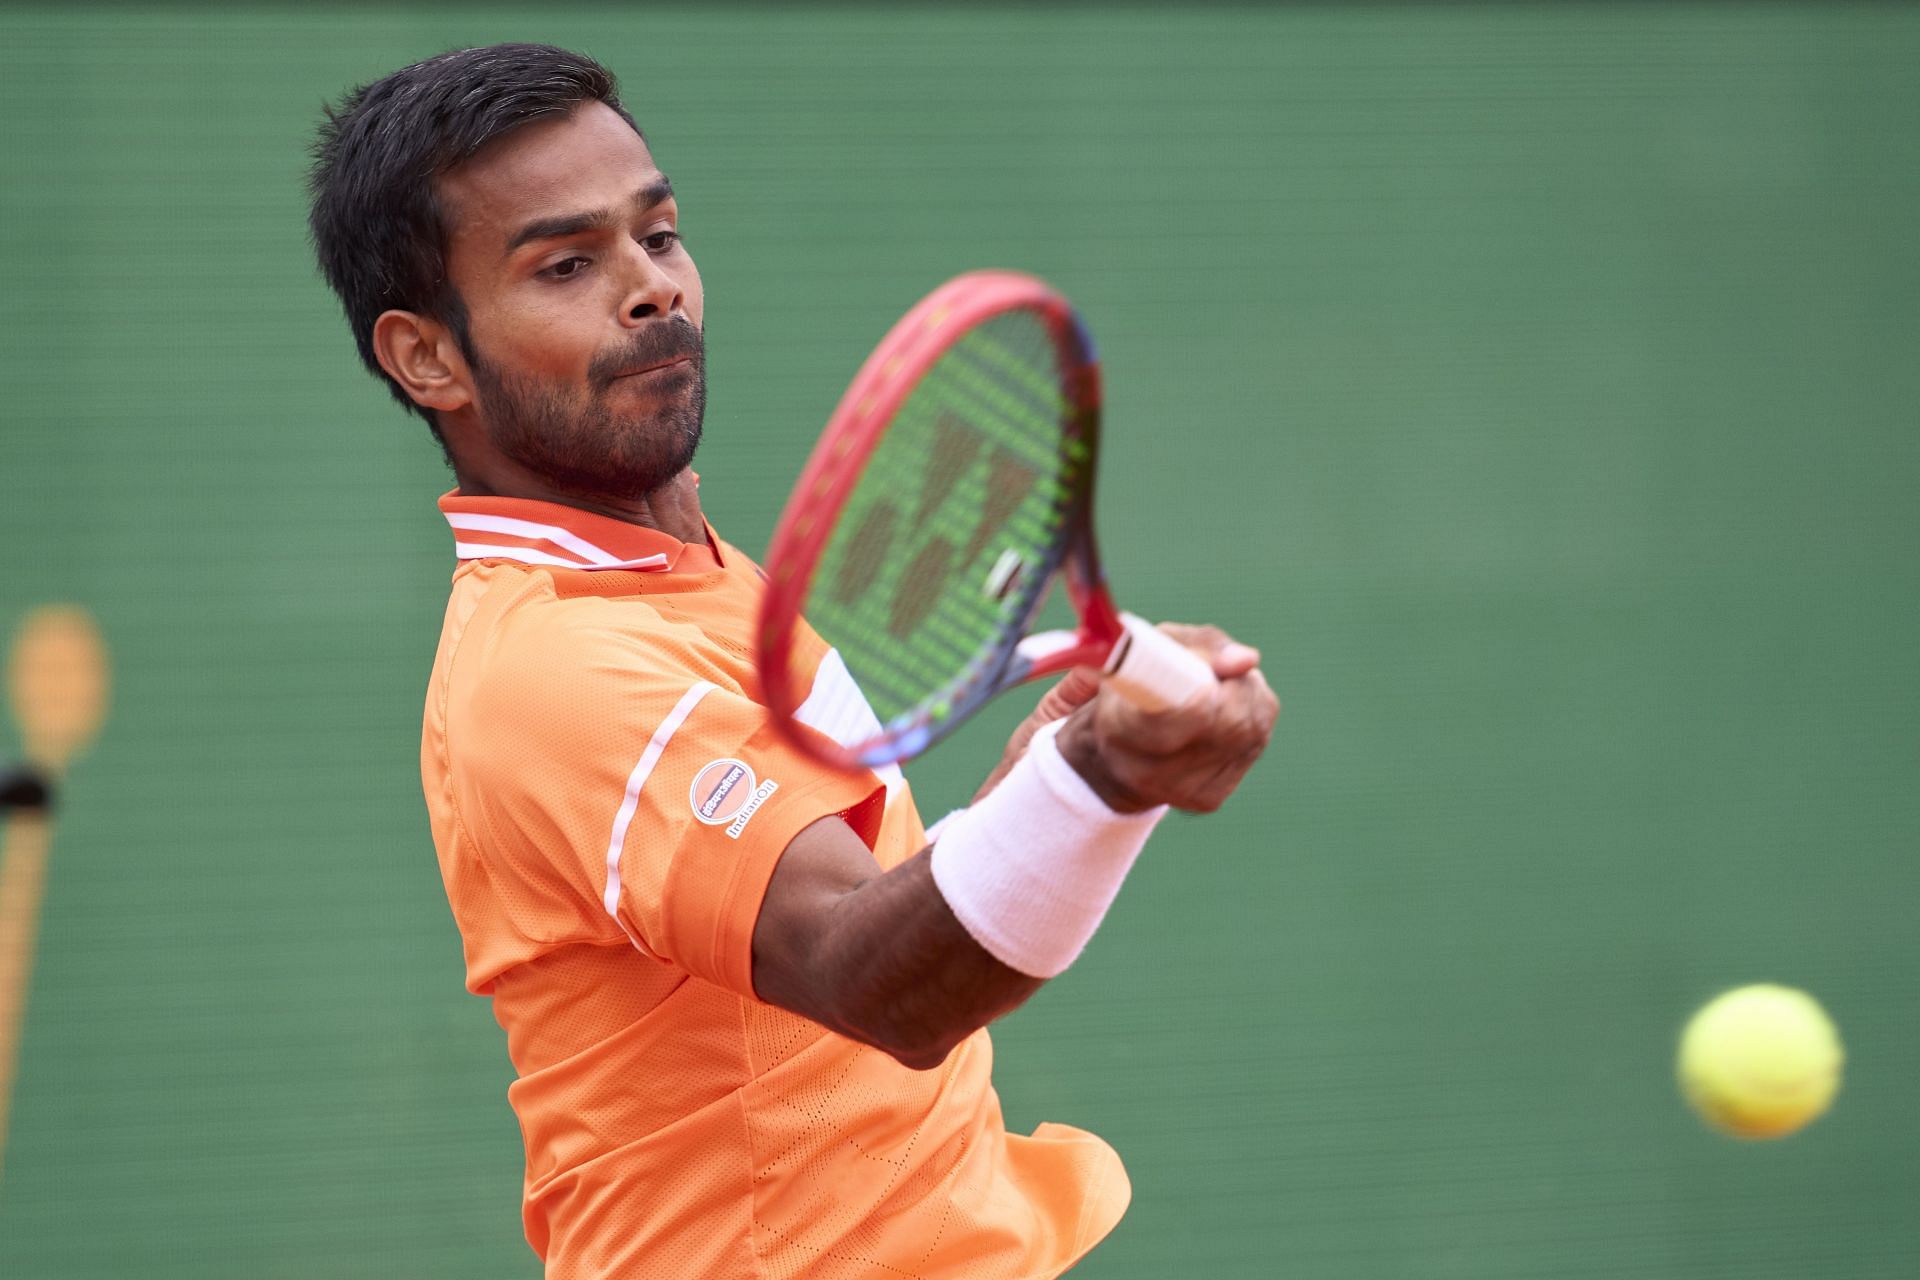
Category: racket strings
[957,517]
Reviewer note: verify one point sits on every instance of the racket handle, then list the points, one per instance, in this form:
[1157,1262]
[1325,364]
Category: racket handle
[1155,672]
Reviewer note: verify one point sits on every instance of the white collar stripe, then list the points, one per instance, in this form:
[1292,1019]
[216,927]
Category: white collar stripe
[562,538]
[528,555]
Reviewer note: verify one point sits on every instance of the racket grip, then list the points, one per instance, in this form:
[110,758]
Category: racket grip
[1155,672]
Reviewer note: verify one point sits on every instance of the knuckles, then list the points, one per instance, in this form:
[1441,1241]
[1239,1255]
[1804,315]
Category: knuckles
[1203,636]
[1192,758]
[1237,721]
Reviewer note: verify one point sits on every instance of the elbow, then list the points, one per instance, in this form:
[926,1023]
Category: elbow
[921,1055]
[915,1048]
[917,1033]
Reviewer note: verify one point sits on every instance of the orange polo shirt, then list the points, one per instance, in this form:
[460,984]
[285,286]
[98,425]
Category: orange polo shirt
[608,800]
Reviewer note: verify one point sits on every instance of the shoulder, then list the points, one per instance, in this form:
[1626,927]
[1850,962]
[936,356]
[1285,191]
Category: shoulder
[540,662]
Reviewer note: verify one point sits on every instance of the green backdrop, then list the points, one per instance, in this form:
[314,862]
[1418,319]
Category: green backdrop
[1536,385]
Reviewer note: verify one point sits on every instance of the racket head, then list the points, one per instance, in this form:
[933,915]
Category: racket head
[954,480]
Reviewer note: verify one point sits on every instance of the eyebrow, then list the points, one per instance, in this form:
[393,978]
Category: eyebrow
[657,192]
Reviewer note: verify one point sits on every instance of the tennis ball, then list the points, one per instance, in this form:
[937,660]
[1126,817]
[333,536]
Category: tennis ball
[1760,1061]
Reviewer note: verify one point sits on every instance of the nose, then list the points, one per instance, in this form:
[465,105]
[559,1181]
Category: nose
[651,294]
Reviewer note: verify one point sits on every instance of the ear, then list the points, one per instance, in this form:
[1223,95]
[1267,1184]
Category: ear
[422,356]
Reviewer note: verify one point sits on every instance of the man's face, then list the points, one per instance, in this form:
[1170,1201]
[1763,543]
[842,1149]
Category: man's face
[584,309]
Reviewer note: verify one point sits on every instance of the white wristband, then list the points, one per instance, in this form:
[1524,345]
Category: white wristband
[933,832]
[1031,868]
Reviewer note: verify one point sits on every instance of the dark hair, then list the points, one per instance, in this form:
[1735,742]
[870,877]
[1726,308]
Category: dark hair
[377,225]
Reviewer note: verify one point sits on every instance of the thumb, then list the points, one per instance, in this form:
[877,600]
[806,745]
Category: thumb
[1077,688]
[1228,657]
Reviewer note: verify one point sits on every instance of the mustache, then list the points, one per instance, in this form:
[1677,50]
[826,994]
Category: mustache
[666,340]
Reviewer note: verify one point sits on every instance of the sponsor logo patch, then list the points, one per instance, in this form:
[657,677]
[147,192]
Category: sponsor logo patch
[725,793]
[751,807]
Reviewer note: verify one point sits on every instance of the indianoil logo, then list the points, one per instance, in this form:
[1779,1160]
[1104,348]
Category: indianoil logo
[725,793]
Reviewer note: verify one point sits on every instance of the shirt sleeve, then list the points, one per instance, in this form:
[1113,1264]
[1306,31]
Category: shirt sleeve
[624,792]
[710,806]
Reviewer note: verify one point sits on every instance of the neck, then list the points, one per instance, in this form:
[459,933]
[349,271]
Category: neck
[673,508]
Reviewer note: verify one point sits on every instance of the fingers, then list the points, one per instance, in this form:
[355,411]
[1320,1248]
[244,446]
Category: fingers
[1080,684]
[1228,657]
[1245,728]
[1191,757]
[1234,660]
[1073,691]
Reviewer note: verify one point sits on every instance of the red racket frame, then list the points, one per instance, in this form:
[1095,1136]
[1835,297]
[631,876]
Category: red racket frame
[856,428]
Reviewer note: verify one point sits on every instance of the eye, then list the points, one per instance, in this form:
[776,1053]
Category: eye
[565,269]
[660,241]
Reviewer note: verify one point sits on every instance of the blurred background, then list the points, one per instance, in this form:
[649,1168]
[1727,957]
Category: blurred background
[1535,384]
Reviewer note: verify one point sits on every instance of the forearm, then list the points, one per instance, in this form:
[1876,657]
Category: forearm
[877,956]
[908,976]
[917,958]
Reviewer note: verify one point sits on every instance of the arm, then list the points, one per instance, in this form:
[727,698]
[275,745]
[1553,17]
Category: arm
[883,959]
[879,958]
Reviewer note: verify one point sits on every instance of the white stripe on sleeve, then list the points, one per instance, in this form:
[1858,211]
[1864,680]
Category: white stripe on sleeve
[631,801]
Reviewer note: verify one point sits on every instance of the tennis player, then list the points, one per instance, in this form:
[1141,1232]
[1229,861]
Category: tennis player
[745,996]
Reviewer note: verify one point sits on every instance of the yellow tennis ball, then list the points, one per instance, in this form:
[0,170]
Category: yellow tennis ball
[1760,1061]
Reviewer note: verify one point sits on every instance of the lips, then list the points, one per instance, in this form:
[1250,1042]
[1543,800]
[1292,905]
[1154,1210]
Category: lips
[656,349]
[657,366]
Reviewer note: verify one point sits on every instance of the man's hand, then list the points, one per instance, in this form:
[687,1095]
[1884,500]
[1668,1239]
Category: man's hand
[1191,758]
[1079,685]
[882,958]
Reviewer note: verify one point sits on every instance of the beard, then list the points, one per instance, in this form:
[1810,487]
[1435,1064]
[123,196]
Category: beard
[578,442]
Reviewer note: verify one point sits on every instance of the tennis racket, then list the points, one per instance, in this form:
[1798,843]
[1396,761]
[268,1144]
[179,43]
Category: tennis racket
[58,685]
[952,485]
